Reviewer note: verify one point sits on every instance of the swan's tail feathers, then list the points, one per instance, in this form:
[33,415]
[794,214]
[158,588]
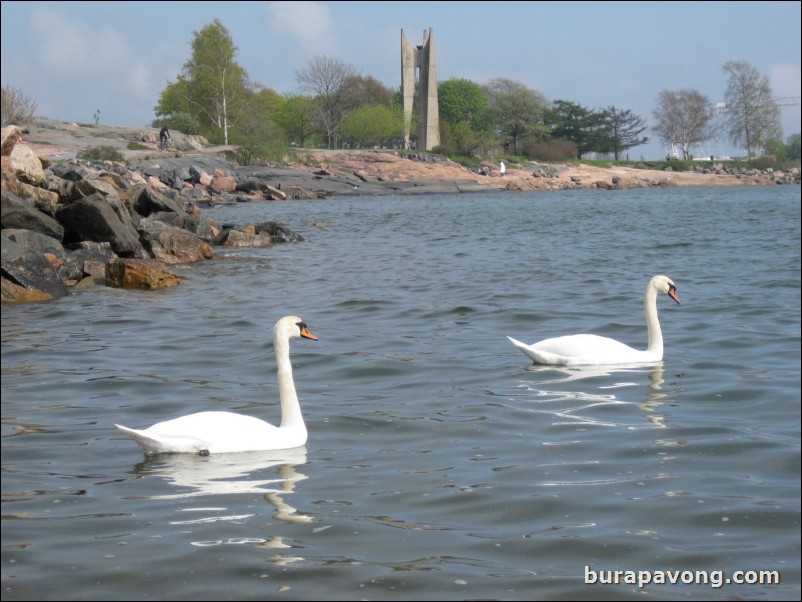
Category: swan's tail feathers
[150,445]
[537,356]
[516,342]
[524,348]
[161,445]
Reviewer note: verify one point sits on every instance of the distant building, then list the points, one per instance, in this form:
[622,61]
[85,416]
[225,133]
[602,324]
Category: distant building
[421,58]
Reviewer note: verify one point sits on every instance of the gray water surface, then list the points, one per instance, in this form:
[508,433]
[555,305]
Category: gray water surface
[440,463]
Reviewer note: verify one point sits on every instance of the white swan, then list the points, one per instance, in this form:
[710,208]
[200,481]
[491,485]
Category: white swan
[225,432]
[592,350]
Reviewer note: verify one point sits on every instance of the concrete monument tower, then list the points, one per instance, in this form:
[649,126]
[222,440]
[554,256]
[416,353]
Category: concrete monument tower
[421,58]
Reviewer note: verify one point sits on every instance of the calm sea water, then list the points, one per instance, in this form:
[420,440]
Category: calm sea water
[440,463]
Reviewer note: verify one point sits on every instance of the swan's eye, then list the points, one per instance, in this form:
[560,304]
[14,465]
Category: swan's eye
[301,325]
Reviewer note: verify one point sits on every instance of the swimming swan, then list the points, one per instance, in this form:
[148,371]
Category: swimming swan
[592,350]
[225,432]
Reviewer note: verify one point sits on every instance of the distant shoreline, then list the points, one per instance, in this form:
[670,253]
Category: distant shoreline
[59,141]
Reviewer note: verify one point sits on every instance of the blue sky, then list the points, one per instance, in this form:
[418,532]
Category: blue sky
[74,58]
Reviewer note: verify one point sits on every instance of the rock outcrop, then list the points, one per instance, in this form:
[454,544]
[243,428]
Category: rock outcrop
[111,223]
[66,220]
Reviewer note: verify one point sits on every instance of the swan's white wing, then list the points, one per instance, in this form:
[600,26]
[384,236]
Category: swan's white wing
[215,432]
[164,445]
[583,350]
[538,356]
[209,426]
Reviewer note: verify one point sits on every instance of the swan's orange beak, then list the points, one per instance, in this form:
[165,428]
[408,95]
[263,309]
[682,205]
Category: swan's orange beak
[308,335]
[672,292]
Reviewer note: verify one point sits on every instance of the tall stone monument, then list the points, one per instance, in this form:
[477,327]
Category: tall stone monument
[421,58]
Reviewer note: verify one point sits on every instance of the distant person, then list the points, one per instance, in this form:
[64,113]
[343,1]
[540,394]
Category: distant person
[502,168]
[164,134]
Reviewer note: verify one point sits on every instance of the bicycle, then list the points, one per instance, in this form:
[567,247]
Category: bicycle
[165,144]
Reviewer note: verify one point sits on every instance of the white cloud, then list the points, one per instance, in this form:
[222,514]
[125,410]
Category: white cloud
[311,24]
[95,66]
[139,80]
[71,48]
[60,43]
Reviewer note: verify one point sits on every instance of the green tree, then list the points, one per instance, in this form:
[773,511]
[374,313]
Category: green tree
[776,149]
[296,118]
[571,121]
[326,79]
[622,129]
[465,140]
[212,87]
[175,110]
[517,110]
[256,129]
[363,91]
[371,126]
[461,100]
[682,118]
[752,116]
[792,147]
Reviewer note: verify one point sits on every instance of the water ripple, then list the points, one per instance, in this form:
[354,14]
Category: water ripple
[429,432]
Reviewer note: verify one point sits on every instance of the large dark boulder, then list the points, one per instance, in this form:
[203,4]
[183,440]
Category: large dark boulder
[139,274]
[71,171]
[24,264]
[93,219]
[36,242]
[193,222]
[170,244]
[278,232]
[107,192]
[145,201]
[86,259]
[239,238]
[251,185]
[17,213]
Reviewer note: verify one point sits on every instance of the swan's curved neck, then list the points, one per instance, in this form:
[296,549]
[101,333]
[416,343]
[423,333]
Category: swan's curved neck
[290,408]
[652,323]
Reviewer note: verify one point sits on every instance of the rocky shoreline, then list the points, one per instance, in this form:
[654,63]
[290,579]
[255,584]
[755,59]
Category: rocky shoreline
[67,222]
[329,173]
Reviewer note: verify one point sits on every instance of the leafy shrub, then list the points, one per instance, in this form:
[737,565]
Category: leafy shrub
[16,107]
[764,162]
[101,153]
[674,164]
[792,147]
[558,150]
[257,154]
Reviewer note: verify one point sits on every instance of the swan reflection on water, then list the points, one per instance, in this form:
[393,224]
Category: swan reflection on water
[572,373]
[559,375]
[272,474]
